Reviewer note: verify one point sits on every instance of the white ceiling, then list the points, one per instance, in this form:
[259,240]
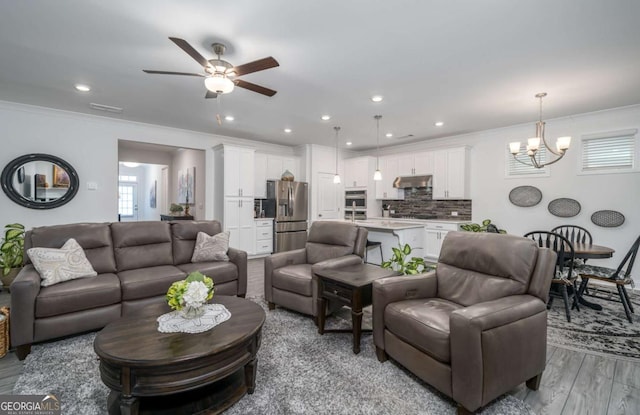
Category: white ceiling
[473,64]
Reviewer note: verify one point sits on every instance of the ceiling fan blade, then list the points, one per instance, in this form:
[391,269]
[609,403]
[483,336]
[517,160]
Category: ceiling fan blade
[255,66]
[172,73]
[255,88]
[184,45]
[211,94]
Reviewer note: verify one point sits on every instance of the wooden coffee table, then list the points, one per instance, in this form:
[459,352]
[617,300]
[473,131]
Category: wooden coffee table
[350,286]
[175,373]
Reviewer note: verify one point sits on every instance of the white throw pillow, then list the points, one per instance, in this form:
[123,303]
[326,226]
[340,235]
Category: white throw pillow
[211,248]
[64,264]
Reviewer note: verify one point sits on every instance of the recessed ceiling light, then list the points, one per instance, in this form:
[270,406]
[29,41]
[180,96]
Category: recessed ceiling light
[287,130]
[82,88]
[348,143]
[131,164]
[376,98]
[439,124]
[389,135]
[326,117]
[229,118]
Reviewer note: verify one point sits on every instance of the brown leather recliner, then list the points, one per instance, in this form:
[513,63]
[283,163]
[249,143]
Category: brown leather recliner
[474,328]
[289,276]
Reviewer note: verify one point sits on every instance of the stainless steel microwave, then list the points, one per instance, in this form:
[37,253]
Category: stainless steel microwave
[355,199]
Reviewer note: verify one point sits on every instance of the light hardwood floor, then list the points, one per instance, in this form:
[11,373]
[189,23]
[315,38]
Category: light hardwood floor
[573,382]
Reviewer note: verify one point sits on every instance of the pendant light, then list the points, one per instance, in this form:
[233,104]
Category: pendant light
[336,178]
[377,176]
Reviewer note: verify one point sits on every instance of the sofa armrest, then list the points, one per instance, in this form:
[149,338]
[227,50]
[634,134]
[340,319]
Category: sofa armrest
[239,258]
[24,290]
[339,262]
[392,289]
[508,334]
[279,260]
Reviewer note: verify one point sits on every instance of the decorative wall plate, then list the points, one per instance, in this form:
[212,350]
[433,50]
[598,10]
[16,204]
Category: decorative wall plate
[525,196]
[607,218]
[564,207]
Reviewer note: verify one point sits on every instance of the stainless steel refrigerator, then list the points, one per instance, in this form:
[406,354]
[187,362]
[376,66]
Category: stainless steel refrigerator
[289,205]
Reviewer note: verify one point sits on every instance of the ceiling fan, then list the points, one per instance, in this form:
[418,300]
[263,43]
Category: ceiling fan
[220,75]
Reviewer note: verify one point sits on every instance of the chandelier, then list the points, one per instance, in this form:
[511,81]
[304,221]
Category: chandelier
[533,144]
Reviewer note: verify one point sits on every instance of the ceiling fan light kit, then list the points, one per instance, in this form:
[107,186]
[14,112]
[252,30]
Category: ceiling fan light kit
[219,84]
[533,144]
[219,73]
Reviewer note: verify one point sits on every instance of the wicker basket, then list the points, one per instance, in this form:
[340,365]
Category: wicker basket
[4,331]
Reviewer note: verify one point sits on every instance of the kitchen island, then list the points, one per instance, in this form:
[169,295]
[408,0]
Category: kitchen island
[392,234]
[423,236]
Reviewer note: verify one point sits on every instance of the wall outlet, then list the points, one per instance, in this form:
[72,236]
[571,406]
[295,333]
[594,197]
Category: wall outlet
[454,213]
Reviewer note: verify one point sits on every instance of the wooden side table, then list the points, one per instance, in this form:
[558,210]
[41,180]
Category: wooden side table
[171,217]
[350,286]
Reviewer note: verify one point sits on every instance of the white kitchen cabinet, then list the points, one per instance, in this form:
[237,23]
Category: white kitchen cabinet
[264,236]
[389,167]
[434,234]
[415,164]
[433,243]
[234,178]
[276,165]
[356,172]
[239,221]
[450,173]
[271,167]
[238,171]
[260,176]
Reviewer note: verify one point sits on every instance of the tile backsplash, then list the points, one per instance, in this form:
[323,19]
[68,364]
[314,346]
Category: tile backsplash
[419,202]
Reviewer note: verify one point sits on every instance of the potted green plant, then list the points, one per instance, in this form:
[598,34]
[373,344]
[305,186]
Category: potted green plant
[486,226]
[11,252]
[175,209]
[403,263]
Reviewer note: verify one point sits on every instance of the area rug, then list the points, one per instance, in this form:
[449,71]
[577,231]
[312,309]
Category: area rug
[606,332]
[299,372]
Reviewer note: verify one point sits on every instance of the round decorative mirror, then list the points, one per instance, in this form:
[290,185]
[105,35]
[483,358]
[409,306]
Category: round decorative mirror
[39,181]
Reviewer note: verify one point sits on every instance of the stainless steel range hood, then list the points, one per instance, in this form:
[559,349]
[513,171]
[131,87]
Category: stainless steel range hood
[412,181]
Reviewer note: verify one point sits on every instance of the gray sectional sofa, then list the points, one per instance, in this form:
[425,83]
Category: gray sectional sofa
[136,263]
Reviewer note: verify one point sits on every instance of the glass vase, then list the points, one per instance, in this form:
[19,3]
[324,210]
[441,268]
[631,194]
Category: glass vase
[192,311]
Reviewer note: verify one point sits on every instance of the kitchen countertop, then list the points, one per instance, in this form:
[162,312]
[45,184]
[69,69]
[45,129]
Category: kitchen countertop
[420,221]
[388,224]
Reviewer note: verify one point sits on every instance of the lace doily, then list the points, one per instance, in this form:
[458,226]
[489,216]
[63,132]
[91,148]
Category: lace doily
[175,322]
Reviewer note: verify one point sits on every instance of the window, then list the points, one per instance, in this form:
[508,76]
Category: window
[609,152]
[516,169]
[128,178]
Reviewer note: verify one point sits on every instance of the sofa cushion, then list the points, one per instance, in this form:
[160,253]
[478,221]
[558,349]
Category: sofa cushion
[220,272]
[423,323]
[94,238]
[184,234]
[472,268]
[329,240]
[141,244]
[211,248]
[59,265]
[147,282]
[78,295]
[294,278]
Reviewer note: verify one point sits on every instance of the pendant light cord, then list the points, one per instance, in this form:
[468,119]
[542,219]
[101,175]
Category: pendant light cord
[377,117]
[337,130]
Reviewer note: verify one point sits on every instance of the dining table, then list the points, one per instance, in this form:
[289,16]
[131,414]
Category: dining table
[590,251]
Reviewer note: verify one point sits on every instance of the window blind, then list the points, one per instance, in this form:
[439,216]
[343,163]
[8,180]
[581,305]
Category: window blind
[608,152]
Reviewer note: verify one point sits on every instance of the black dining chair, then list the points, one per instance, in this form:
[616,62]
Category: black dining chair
[574,233]
[620,276]
[564,276]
